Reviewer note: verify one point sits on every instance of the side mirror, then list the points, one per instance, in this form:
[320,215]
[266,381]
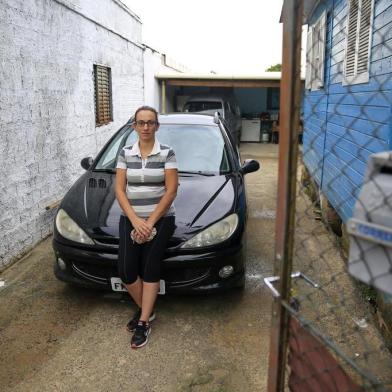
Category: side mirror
[86,163]
[249,166]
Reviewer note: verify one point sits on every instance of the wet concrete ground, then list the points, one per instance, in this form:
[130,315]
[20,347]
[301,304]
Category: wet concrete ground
[58,338]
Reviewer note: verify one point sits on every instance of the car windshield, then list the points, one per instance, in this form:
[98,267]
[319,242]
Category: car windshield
[200,106]
[199,149]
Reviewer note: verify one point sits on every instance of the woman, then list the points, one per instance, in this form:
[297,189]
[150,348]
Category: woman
[146,185]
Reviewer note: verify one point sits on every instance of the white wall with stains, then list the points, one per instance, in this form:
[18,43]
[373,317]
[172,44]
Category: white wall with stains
[47,120]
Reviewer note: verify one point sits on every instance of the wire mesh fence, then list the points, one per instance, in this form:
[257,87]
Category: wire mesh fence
[340,303]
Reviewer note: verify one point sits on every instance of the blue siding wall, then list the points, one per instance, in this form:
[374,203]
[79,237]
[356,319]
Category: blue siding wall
[357,121]
[315,112]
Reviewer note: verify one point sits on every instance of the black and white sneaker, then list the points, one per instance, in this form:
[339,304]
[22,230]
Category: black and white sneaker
[131,326]
[140,336]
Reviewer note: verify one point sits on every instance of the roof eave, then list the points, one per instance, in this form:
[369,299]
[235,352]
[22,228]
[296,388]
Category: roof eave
[264,76]
[309,6]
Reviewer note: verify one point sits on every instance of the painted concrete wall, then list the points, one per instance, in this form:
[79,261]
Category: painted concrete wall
[47,118]
[343,125]
[154,63]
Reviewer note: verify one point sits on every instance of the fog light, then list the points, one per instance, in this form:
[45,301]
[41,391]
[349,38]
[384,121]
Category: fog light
[62,264]
[226,271]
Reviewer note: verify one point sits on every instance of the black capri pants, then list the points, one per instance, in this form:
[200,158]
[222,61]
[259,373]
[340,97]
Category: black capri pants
[143,260]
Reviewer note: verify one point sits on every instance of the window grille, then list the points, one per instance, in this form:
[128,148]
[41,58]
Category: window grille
[103,95]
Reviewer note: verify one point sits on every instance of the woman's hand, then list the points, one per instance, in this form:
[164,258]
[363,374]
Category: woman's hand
[143,229]
[137,237]
[150,223]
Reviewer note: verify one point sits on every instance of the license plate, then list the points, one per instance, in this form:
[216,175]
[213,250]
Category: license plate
[118,285]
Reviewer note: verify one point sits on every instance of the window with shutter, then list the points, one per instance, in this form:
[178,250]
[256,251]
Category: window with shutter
[359,29]
[315,54]
[103,95]
[322,36]
[308,76]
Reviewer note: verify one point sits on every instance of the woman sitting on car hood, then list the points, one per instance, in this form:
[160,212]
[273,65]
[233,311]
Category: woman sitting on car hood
[146,185]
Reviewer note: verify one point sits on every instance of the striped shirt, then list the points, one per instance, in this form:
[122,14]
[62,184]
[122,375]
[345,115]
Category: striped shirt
[146,177]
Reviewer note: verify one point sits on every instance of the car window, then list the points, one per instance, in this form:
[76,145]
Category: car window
[198,148]
[200,106]
[110,154]
[108,159]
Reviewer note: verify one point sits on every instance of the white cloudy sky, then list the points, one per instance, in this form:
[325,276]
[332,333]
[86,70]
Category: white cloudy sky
[219,35]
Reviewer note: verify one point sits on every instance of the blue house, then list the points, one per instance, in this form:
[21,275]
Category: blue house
[347,105]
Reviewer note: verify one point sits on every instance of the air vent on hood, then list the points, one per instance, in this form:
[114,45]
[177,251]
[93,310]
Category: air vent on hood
[102,183]
[92,183]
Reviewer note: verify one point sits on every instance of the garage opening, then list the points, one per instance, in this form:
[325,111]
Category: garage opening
[258,99]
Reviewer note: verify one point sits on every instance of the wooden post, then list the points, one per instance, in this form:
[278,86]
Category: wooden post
[290,89]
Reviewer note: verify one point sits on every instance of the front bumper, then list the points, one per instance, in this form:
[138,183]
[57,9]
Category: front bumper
[183,273]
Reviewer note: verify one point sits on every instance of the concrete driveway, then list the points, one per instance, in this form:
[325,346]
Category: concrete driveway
[58,338]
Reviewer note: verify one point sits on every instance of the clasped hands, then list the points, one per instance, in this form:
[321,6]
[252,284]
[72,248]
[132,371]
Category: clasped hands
[143,230]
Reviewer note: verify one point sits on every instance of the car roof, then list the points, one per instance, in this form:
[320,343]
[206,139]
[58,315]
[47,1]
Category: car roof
[187,118]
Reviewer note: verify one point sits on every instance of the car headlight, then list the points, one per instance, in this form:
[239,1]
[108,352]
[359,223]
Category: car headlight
[216,233]
[70,230]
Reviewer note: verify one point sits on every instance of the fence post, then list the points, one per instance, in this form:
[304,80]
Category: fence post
[290,98]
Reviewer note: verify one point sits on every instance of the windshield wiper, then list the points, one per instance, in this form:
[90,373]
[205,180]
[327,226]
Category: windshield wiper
[200,173]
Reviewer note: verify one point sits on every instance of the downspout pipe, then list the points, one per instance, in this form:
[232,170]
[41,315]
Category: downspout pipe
[163,97]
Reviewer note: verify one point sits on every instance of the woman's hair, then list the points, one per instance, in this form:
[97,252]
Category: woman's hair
[149,108]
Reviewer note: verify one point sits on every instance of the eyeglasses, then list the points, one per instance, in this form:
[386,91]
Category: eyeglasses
[149,123]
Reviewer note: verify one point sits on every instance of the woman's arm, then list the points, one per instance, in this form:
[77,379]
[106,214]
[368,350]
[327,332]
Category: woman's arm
[171,185]
[139,224]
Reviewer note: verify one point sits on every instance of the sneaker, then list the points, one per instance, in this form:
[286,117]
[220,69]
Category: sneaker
[131,326]
[140,336]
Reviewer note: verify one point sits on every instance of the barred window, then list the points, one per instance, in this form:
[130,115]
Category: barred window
[103,95]
[359,29]
[315,54]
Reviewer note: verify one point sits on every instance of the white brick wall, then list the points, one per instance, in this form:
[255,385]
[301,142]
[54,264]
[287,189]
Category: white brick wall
[47,119]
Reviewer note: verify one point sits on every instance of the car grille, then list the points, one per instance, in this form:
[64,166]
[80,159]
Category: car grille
[96,273]
[109,241]
[185,275]
[114,241]
[102,273]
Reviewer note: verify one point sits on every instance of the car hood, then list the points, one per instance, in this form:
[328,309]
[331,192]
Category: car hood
[201,200]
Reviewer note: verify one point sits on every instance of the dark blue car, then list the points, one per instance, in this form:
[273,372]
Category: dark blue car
[206,251]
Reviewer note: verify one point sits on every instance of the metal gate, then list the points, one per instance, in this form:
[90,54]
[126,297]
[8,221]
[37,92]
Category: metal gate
[330,332]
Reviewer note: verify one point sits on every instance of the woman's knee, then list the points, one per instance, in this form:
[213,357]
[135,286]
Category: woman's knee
[131,285]
[128,278]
